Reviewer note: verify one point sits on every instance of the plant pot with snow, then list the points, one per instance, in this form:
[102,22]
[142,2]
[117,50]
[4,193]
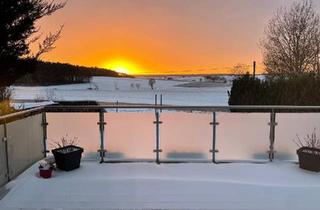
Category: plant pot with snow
[68,158]
[309,152]
[45,169]
[309,158]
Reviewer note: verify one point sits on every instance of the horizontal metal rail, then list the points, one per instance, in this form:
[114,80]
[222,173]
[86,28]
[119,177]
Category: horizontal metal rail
[97,108]
[21,114]
[52,108]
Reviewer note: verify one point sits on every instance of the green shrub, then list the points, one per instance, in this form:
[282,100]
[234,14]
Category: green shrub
[302,90]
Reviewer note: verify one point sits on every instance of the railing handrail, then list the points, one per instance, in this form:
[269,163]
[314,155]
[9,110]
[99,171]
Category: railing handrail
[183,106]
[173,107]
[22,113]
[163,107]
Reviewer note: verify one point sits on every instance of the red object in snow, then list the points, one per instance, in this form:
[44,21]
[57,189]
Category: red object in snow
[45,173]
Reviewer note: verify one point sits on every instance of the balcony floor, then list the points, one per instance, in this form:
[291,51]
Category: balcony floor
[167,186]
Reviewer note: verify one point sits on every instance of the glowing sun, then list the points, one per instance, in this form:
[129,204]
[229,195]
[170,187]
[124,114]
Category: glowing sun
[122,66]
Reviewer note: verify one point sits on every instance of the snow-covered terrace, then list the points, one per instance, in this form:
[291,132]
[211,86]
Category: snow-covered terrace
[167,186]
[280,184]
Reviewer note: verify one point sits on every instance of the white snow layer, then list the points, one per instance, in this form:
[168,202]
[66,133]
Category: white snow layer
[167,186]
[131,90]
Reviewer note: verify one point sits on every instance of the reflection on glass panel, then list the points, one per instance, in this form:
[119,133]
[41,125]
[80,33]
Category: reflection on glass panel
[130,135]
[243,136]
[81,126]
[185,136]
[35,141]
[3,164]
[291,125]
[25,146]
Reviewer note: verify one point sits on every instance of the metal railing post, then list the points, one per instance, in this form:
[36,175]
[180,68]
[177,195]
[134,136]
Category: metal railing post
[155,103]
[214,124]
[161,103]
[157,150]
[5,140]
[102,124]
[45,133]
[272,125]
[117,106]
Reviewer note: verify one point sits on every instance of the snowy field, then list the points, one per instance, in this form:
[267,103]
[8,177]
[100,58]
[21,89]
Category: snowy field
[276,186]
[175,90]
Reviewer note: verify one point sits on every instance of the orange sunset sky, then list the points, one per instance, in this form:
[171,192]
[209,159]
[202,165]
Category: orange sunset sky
[161,36]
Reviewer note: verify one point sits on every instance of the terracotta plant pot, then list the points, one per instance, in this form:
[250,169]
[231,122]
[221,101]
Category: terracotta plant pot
[45,173]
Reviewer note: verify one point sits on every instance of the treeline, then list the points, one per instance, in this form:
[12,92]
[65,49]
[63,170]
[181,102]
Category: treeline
[46,73]
[302,90]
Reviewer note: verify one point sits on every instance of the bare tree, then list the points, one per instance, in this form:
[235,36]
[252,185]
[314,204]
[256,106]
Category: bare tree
[292,40]
[47,44]
[152,82]
[240,69]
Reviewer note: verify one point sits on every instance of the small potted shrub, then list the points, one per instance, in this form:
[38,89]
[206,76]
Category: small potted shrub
[45,169]
[309,152]
[67,155]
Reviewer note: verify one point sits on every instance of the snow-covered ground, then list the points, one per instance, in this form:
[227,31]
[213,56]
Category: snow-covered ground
[175,91]
[276,186]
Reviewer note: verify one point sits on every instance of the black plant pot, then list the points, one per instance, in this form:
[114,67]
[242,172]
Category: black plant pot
[309,158]
[68,158]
